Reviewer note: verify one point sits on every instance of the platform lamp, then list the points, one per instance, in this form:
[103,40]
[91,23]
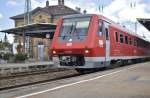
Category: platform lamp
[101,6]
[133,5]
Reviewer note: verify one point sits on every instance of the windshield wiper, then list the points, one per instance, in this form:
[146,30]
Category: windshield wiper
[75,31]
[69,32]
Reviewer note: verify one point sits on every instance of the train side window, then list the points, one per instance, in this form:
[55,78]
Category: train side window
[116,36]
[130,41]
[135,42]
[100,28]
[138,43]
[121,38]
[126,39]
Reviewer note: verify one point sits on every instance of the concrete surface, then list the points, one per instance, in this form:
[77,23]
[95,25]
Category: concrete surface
[9,65]
[9,68]
[126,82]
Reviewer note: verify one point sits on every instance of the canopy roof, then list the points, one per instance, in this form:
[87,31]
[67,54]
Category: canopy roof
[34,30]
[145,22]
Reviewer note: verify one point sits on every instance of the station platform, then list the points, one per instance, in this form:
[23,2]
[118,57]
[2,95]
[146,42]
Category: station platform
[26,64]
[132,81]
[9,68]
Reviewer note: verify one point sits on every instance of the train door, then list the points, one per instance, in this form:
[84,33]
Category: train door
[107,44]
[101,42]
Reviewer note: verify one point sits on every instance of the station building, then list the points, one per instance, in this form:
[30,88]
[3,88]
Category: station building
[48,14]
[44,18]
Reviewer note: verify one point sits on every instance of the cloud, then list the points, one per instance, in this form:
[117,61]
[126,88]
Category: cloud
[116,10]
[10,38]
[70,3]
[36,3]
[89,7]
[121,11]
[1,15]
[11,3]
[132,14]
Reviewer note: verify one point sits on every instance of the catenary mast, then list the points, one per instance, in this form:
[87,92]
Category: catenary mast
[27,21]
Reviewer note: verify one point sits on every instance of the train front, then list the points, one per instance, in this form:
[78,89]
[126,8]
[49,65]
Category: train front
[73,42]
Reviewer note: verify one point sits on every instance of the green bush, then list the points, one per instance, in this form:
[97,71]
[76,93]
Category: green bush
[21,57]
[2,46]
[7,56]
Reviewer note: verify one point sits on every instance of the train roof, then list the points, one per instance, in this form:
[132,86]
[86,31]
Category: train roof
[123,28]
[77,15]
[107,20]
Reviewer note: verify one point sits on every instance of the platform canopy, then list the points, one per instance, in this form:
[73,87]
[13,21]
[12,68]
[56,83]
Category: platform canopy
[33,30]
[145,22]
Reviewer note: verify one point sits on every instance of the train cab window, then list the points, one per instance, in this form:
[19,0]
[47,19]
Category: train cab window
[116,36]
[100,28]
[126,39]
[107,36]
[121,38]
[106,30]
[74,29]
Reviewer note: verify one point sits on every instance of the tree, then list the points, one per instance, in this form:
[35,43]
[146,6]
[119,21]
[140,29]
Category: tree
[2,46]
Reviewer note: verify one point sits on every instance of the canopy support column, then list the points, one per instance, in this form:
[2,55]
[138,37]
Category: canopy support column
[24,41]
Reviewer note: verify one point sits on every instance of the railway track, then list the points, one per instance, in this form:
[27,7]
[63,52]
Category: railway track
[36,77]
[20,74]
[24,79]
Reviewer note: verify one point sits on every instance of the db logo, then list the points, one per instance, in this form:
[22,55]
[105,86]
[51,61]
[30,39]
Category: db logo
[68,44]
[134,51]
[100,42]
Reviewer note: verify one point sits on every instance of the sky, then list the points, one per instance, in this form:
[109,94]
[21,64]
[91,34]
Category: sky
[119,11]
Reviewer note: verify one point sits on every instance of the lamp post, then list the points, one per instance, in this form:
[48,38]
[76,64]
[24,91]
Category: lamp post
[101,6]
[133,6]
[27,21]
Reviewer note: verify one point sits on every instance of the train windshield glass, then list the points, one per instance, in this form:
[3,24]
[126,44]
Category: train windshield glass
[74,29]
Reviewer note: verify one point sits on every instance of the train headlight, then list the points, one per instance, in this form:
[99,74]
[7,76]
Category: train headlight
[54,52]
[87,51]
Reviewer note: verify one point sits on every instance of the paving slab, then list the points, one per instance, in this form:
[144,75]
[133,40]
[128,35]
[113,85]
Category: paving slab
[133,82]
[26,64]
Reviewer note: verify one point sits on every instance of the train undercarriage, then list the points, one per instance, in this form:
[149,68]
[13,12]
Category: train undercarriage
[83,65]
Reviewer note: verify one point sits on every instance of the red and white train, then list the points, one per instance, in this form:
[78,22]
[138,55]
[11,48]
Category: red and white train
[92,41]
